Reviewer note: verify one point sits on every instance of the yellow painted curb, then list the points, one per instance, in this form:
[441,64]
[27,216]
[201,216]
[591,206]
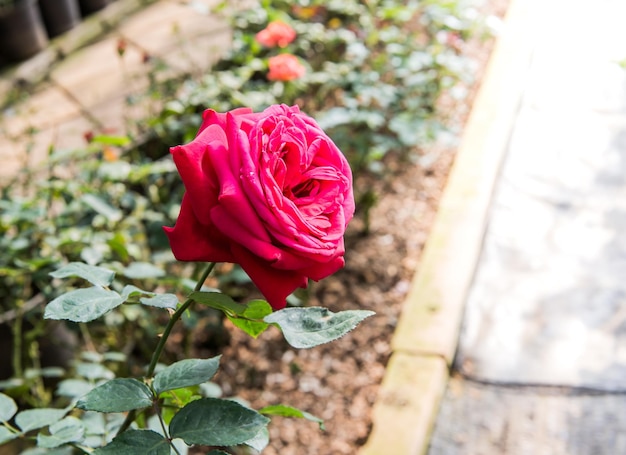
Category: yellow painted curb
[434,307]
[426,338]
[407,405]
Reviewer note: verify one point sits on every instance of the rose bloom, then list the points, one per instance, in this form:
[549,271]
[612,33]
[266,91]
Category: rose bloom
[269,191]
[276,33]
[285,67]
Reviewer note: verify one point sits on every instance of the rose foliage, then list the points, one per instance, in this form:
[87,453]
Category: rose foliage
[269,191]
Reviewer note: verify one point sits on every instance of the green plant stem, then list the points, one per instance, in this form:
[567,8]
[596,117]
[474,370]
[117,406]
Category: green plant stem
[164,429]
[175,317]
[17,343]
[130,417]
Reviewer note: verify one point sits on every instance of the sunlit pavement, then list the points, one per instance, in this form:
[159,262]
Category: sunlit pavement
[523,293]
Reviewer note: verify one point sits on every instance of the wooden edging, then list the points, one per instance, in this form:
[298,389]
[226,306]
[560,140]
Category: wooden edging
[425,340]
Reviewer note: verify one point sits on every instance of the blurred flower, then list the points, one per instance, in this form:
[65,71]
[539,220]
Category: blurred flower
[307,12]
[121,46]
[276,33]
[334,23]
[285,67]
[450,39]
[110,154]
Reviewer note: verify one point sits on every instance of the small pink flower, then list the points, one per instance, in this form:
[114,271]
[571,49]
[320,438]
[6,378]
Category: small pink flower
[285,67]
[276,33]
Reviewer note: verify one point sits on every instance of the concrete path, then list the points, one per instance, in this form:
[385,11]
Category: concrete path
[519,305]
[548,304]
[541,360]
[90,90]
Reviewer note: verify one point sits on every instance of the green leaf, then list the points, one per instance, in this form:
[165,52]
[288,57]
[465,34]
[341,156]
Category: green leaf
[117,395]
[93,371]
[70,429]
[211,389]
[6,435]
[309,327]
[131,293]
[252,328]
[73,388]
[175,399]
[32,419]
[260,441]
[251,321]
[161,301]
[136,442]
[8,408]
[257,309]
[142,270]
[290,411]
[101,207]
[98,276]
[218,301]
[64,450]
[115,170]
[96,423]
[113,356]
[111,140]
[185,373]
[91,255]
[215,422]
[47,372]
[83,305]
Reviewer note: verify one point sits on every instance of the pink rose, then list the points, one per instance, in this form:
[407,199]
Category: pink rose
[285,67]
[276,33]
[269,191]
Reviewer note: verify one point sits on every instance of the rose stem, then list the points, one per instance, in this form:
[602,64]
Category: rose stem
[166,333]
[175,317]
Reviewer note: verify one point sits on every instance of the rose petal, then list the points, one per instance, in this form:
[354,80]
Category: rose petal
[279,257]
[210,117]
[274,284]
[192,241]
[196,170]
[232,198]
[320,271]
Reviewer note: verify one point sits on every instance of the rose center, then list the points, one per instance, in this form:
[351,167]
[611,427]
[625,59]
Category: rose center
[304,189]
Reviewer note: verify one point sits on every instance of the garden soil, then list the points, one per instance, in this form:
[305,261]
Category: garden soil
[338,382]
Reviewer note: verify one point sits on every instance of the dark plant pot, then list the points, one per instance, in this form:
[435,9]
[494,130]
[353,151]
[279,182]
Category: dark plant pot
[22,33]
[59,15]
[91,6]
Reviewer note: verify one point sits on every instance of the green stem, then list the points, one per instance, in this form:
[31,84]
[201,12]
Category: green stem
[175,317]
[165,432]
[130,417]
[17,343]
